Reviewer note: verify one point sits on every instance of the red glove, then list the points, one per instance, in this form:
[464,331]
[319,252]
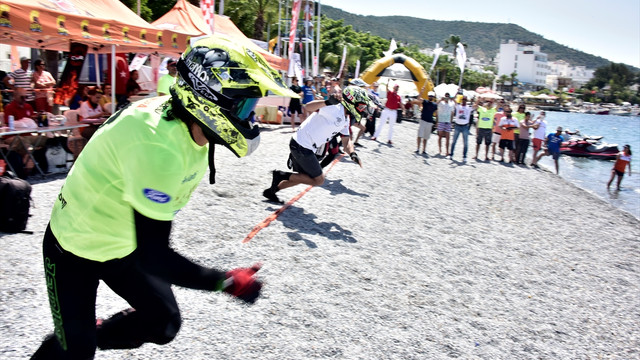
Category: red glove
[241,283]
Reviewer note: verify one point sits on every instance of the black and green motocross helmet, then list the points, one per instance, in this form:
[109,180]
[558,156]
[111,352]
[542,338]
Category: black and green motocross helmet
[356,100]
[219,82]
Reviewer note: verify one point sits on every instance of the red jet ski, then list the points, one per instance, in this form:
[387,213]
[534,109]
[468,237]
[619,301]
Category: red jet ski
[585,148]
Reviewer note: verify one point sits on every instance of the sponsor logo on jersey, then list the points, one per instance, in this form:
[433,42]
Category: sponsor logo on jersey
[156,196]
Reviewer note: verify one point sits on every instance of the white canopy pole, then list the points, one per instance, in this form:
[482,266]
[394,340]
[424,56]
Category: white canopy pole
[113,76]
[97,66]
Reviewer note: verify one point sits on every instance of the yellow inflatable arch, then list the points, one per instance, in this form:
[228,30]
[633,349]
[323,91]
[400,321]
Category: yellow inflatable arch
[418,74]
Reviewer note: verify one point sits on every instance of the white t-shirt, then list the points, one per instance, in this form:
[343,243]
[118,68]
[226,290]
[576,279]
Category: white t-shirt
[540,132]
[86,110]
[444,111]
[321,126]
[463,113]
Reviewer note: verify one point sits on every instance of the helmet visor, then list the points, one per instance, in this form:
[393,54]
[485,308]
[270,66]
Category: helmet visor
[243,108]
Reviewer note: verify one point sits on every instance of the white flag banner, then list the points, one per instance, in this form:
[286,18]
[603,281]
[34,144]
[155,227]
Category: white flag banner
[315,66]
[138,61]
[357,74]
[295,66]
[344,58]
[461,56]
[436,54]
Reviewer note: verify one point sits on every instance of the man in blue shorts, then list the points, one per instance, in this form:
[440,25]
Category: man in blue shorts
[553,142]
[112,219]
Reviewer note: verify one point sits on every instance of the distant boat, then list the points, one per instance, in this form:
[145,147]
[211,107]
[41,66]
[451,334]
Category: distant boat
[620,111]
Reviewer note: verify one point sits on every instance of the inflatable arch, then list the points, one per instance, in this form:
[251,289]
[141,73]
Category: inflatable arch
[418,74]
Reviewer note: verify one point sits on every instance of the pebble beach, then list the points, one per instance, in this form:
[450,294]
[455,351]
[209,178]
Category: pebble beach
[408,257]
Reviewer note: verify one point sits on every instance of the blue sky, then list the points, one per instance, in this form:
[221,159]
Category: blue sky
[610,29]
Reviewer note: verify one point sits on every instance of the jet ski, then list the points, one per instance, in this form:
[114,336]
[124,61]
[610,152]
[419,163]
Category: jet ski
[586,148]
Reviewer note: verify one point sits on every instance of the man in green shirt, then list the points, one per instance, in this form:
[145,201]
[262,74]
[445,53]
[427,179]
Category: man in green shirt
[112,219]
[166,80]
[485,126]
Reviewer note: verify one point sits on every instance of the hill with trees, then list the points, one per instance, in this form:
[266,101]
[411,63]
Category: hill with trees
[483,39]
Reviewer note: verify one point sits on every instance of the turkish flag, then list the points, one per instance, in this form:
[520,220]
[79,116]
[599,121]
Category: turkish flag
[122,73]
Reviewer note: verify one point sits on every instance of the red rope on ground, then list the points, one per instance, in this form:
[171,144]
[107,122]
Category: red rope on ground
[264,223]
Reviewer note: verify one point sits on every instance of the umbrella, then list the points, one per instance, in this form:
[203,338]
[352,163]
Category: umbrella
[490,96]
[442,89]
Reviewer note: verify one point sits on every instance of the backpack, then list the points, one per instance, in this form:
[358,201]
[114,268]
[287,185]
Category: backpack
[15,200]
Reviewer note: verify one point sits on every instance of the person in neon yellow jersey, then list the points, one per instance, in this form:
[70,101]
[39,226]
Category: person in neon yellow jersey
[485,125]
[112,219]
[165,82]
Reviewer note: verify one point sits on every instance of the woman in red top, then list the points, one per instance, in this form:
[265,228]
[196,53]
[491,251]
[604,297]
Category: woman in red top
[622,160]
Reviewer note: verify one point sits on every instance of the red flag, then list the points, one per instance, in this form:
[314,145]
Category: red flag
[122,73]
[208,11]
[295,13]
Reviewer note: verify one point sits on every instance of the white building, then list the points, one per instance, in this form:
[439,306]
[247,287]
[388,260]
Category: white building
[526,60]
[579,75]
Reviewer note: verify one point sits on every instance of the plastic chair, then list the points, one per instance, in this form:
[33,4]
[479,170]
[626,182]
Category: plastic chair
[75,141]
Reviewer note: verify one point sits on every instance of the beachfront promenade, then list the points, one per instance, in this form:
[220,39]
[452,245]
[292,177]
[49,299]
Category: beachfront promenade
[410,257]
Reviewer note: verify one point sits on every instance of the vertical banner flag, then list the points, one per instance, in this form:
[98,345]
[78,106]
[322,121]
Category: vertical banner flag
[436,55]
[208,12]
[461,57]
[71,74]
[295,12]
[344,58]
[355,76]
[138,61]
[154,61]
[15,58]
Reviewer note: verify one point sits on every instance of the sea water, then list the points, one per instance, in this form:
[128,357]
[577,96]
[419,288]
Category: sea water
[592,175]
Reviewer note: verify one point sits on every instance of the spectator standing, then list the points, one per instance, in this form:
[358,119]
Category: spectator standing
[295,108]
[390,113]
[43,83]
[429,107]
[523,139]
[335,90]
[518,115]
[539,133]
[484,127]
[446,112]
[308,95]
[507,124]
[497,131]
[168,79]
[462,125]
[21,78]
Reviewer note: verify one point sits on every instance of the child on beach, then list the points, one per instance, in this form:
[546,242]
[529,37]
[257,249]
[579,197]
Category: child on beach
[622,160]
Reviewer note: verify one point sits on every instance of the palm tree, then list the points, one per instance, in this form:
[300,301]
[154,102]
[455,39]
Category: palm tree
[513,77]
[453,41]
[501,81]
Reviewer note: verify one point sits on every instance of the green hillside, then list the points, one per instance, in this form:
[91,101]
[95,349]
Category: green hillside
[483,39]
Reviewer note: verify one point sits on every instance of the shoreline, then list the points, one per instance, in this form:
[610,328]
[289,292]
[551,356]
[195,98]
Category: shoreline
[409,257]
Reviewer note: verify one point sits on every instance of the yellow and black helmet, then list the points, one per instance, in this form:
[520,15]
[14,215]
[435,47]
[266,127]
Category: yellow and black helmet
[219,82]
[356,100]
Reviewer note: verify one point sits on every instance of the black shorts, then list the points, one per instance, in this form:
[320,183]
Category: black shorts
[618,172]
[295,107]
[305,160]
[508,144]
[484,134]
